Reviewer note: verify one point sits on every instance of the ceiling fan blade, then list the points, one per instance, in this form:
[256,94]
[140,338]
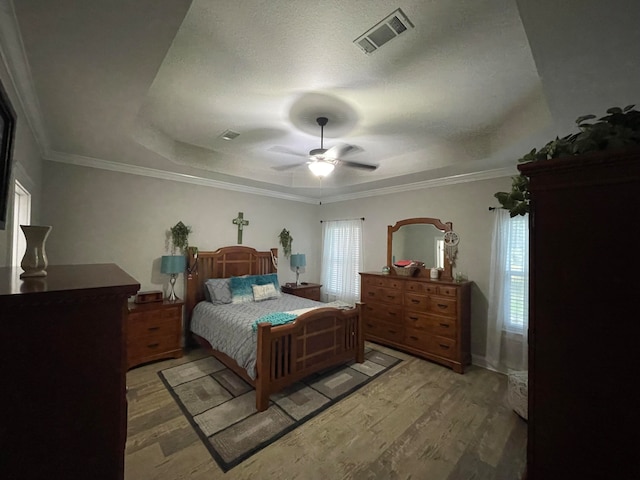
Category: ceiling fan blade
[361,166]
[341,150]
[288,151]
[281,168]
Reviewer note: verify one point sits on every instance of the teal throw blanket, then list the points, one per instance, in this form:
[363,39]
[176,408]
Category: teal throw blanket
[275,318]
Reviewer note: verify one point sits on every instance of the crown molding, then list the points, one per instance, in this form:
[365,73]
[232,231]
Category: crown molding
[207,182]
[172,176]
[15,61]
[437,182]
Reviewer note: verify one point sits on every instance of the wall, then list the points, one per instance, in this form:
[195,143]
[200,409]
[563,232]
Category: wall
[27,168]
[109,217]
[103,216]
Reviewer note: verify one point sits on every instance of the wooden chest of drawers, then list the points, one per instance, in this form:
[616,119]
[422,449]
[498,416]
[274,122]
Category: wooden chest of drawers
[154,331]
[429,318]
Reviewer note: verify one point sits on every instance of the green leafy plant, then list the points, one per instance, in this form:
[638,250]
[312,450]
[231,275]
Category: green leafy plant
[286,240]
[179,238]
[620,128]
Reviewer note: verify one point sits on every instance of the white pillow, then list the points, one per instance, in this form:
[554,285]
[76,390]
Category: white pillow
[264,292]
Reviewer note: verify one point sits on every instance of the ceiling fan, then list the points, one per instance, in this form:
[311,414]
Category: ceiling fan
[321,160]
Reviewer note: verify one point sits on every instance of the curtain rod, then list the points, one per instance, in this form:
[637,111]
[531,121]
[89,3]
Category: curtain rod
[342,219]
[493,208]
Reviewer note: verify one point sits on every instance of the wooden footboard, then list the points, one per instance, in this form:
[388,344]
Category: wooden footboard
[316,340]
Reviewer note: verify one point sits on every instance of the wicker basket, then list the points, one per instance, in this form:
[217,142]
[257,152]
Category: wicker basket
[406,271]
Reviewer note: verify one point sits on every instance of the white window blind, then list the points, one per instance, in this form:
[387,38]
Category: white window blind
[342,259]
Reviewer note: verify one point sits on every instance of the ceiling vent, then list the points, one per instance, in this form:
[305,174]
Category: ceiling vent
[229,134]
[383,31]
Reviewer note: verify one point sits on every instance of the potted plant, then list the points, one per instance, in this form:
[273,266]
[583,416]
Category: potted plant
[286,240]
[179,238]
[619,129]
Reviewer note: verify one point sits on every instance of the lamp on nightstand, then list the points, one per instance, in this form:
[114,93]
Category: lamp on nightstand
[173,265]
[298,261]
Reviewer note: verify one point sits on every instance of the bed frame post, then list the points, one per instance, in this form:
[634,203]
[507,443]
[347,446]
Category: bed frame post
[263,363]
[360,334]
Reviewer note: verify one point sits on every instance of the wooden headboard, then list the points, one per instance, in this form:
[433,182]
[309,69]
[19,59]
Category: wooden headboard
[225,262]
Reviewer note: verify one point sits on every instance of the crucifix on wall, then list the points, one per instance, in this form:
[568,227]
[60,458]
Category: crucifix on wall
[241,223]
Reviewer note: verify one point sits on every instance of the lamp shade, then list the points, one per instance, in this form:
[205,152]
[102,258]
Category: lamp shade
[298,260]
[320,168]
[173,264]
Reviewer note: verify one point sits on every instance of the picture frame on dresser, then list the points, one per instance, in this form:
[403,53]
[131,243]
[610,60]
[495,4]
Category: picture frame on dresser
[7,134]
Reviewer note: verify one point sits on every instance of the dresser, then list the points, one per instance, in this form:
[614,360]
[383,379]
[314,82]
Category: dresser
[584,324]
[428,318]
[304,290]
[154,331]
[64,411]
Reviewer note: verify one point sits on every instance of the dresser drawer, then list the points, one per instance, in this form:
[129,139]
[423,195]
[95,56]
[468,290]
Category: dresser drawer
[379,281]
[433,324]
[381,294]
[432,289]
[427,342]
[382,311]
[417,303]
[374,327]
[443,306]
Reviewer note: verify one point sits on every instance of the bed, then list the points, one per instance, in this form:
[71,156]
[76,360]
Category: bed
[319,338]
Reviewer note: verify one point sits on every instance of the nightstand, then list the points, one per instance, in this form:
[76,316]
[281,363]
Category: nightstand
[154,331]
[304,290]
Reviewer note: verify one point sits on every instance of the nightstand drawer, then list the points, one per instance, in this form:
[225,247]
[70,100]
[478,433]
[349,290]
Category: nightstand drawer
[143,325]
[143,349]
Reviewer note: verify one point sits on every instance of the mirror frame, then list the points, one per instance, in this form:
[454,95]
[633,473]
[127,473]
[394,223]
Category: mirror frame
[445,227]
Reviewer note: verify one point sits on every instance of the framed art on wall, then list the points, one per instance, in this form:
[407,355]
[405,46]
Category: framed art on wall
[7,133]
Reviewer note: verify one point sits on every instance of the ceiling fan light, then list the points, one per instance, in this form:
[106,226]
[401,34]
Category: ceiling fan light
[321,169]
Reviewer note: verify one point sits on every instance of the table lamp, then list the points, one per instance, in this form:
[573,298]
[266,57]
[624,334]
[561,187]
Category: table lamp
[298,261]
[173,265]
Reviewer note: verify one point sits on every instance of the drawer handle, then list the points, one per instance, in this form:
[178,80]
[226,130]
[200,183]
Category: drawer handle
[441,305]
[371,294]
[413,300]
[369,325]
[413,338]
[392,314]
[153,345]
[151,329]
[413,318]
[446,347]
[392,331]
[445,325]
[391,297]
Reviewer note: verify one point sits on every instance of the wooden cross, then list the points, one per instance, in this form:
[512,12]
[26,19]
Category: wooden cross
[241,222]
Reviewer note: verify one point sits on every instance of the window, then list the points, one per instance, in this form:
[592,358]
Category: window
[342,259]
[21,216]
[516,278]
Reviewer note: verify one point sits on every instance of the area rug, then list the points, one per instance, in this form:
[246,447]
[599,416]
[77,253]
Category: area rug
[221,406]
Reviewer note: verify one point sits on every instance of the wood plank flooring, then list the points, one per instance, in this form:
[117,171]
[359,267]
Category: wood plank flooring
[419,421]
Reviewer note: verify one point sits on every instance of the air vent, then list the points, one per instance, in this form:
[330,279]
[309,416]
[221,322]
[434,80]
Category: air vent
[229,134]
[383,31]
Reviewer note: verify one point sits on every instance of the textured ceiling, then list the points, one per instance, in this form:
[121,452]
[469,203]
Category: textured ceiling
[154,83]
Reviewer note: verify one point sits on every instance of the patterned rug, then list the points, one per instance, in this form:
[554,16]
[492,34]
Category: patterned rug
[221,406]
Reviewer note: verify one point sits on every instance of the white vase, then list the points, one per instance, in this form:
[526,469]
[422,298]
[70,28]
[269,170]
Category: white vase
[34,263]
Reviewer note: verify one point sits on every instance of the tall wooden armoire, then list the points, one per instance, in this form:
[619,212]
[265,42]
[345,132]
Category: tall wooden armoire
[584,325]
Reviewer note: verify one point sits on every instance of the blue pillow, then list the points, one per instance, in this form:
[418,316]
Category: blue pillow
[242,287]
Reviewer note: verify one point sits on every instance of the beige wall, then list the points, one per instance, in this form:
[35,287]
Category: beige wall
[27,168]
[102,216]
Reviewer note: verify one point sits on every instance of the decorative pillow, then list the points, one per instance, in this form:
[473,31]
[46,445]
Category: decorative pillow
[241,287]
[264,292]
[241,291]
[219,290]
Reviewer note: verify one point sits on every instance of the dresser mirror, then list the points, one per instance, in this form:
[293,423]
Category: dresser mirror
[420,239]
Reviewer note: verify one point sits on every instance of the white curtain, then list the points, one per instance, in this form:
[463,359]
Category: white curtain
[508,317]
[342,259]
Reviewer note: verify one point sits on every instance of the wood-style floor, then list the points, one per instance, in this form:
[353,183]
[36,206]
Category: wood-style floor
[419,421]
